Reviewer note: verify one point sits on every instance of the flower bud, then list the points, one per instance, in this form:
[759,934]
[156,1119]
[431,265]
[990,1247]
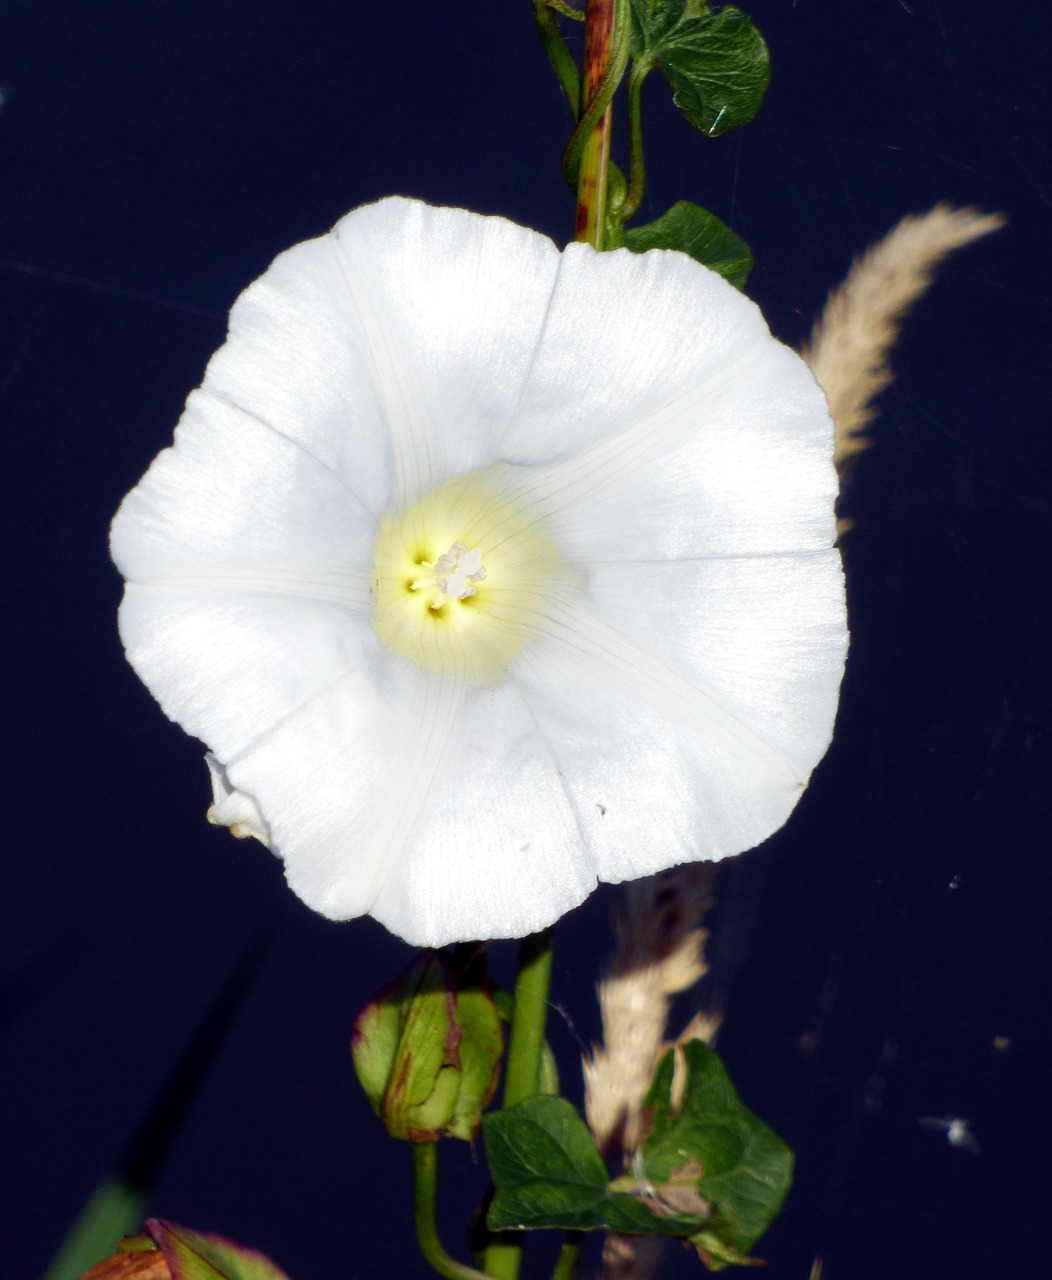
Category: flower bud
[427,1052]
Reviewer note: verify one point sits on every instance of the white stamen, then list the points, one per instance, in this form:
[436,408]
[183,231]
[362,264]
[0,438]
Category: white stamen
[458,570]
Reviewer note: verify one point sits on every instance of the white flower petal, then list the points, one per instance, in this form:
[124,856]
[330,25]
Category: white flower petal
[229,666]
[737,466]
[454,304]
[759,633]
[346,778]
[239,505]
[661,770]
[225,529]
[394,349]
[518,863]
[382,796]
[626,335]
[297,359]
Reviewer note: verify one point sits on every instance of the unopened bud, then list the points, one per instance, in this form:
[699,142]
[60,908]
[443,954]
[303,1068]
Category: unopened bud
[427,1052]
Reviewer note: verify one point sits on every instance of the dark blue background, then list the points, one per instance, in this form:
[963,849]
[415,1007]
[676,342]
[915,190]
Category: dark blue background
[153,159]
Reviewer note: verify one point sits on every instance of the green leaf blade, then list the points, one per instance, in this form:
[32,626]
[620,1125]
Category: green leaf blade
[643,1215]
[548,1173]
[546,1169]
[743,1169]
[115,1208]
[716,62]
[701,235]
[709,1170]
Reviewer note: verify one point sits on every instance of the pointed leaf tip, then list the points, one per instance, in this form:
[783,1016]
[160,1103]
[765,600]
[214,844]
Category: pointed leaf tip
[195,1255]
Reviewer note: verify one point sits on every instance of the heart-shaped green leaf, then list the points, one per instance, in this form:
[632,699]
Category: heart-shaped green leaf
[716,62]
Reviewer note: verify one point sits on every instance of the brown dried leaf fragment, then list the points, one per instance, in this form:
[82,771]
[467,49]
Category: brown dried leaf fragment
[131,1266]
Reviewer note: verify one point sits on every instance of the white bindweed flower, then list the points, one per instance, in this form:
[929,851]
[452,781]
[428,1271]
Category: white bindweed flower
[487,571]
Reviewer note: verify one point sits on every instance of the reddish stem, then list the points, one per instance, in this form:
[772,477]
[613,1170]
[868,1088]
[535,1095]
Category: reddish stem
[591,183]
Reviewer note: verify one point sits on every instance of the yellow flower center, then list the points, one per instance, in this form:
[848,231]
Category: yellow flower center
[460,577]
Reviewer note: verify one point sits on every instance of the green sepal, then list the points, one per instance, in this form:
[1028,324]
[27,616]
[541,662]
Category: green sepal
[743,1168]
[548,1074]
[699,234]
[427,1050]
[404,1049]
[481,1049]
[504,1002]
[716,62]
[193,1255]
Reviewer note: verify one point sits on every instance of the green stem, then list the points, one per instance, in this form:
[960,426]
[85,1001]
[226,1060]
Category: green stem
[528,1018]
[565,9]
[568,1255]
[425,1167]
[115,1209]
[558,54]
[503,1255]
[637,171]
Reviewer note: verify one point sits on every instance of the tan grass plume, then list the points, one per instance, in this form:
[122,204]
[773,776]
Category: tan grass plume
[659,953]
[848,350]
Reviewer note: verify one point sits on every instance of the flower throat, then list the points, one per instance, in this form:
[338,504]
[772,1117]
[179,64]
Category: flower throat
[460,578]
